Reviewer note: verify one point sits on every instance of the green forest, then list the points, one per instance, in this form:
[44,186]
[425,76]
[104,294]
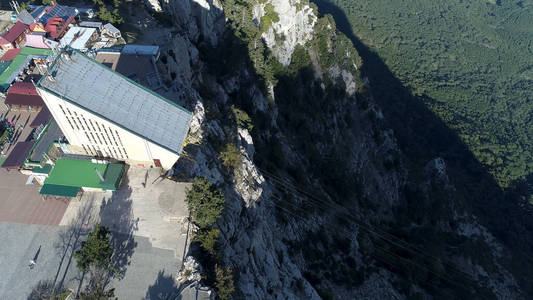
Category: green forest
[470,60]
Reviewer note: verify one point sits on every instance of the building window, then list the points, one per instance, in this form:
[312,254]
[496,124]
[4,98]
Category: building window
[62,109]
[103,138]
[113,136]
[80,123]
[94,140]
[97,125]
[107,136]
[70,123]
[92,125]
[125,153]
[84,121]
[119,138]
[75,123]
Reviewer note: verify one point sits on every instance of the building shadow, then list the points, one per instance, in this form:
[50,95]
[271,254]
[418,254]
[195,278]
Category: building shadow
[163,288]
[117,215]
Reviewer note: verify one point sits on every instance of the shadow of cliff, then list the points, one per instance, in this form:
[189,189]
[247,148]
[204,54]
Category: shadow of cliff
[422,136]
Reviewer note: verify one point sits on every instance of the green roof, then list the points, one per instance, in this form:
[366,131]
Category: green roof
[59,190]
[20,60]
[113,176]
[76,172]
[36,51]
[4,65]
[42,170]
[81,173]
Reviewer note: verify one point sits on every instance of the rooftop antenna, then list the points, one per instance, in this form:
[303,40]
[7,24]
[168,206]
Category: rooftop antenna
[15,5]
[99,174]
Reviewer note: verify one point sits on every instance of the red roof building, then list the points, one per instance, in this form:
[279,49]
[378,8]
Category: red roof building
[10,54]
[37,28]
[56,27]
[23,94]
[14,37]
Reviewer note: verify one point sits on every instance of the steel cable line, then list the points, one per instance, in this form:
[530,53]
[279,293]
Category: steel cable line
[420,266]
[399,243]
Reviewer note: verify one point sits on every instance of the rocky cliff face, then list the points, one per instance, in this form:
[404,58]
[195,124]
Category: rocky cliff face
[294,27]
[318,171]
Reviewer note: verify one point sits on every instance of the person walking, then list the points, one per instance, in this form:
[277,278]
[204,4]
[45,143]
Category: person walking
[32,264]
[32,261]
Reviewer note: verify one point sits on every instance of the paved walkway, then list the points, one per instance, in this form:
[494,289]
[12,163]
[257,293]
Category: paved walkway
[21,203]
[145,219]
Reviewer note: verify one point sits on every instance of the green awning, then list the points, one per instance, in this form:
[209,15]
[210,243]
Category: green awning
[59,190]
[112,176]
[42,170]
[76,172]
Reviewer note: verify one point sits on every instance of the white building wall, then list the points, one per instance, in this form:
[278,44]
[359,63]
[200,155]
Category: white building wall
[98,136]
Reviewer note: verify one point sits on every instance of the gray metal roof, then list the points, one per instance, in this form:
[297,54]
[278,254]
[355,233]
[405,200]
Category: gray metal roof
[111,28]
[91,24]
[102,91]
[140,49]
[25,17]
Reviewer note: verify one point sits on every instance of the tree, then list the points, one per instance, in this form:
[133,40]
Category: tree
[96,251]
[45,290]
[224,282]
[205,202]
[24,6]
[207,239]
[230,157]
[96,290]
[111,16]
[242,118]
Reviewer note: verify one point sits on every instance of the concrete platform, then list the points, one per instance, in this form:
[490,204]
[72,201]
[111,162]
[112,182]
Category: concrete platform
[145,206]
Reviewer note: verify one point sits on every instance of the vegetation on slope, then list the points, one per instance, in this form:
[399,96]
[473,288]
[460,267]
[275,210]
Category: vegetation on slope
[206,203]
[470,60]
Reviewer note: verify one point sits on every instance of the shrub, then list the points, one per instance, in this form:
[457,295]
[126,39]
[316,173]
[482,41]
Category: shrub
[45,289]
[224,282]
[270,17]
[205,203]
[208,239]
[242,118]
[231,157]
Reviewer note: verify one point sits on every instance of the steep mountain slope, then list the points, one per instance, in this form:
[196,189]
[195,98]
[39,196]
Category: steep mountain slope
[327,200]
[470,60]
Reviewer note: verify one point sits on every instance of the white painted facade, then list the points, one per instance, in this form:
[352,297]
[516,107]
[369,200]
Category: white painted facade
[96,136]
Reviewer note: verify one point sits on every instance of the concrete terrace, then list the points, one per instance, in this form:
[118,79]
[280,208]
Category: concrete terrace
[146,217]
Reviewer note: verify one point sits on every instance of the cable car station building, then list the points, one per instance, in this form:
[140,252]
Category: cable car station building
[105,114]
